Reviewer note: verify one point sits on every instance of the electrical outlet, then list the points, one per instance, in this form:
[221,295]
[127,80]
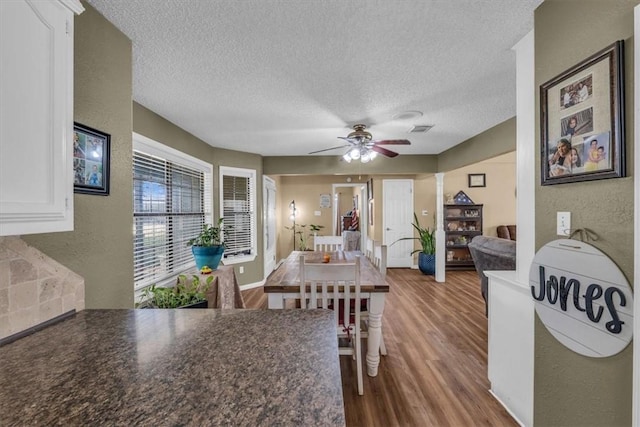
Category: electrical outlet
[425,212]
[563,224]
[317,213]
[241,269]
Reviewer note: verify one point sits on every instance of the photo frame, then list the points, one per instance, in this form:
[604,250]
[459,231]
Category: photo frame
[582,120]
[371,212]
[91,149]
[477,180]
[370,189]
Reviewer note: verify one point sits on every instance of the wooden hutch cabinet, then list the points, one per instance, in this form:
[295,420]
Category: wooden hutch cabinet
[462,223]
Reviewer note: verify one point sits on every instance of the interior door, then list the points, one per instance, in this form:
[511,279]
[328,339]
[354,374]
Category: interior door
[269,209]
[397,195]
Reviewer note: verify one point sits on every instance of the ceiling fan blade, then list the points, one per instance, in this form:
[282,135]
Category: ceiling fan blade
[384,151]
[393,142]
[349,140]
[328,149]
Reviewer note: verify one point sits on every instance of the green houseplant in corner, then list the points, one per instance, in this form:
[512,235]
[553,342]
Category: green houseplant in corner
[183,295]
[208,247]
[427,253]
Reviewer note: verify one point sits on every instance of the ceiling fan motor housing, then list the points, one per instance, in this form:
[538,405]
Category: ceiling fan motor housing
[360,133]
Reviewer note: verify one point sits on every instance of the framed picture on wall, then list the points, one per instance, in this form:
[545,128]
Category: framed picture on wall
[477,180]
[91,149]
[370,212]
[370,189]
[582,120]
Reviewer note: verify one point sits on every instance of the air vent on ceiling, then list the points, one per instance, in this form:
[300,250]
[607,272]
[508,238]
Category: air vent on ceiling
[420,128]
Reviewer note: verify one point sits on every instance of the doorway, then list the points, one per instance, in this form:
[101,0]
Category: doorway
[339,209]
[269,212]
[397,215]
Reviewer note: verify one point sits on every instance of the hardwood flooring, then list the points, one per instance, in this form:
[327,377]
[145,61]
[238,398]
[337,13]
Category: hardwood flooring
[435,373]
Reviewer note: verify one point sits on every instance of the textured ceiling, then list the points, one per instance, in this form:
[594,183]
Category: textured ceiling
[286,77]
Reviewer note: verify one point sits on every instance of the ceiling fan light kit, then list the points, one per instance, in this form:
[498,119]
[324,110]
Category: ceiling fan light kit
[360,146]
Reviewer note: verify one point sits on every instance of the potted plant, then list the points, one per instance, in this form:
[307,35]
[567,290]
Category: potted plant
[183,295]
[208,247]
[427,239]
[299,230]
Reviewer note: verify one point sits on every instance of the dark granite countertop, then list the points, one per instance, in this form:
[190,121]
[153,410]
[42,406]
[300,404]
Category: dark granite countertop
[176,367]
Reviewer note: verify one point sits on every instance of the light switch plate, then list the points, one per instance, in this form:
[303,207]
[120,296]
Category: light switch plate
[563,224]
[317,213]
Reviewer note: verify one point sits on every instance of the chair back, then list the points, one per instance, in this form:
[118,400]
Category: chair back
[332,285]
[380,258]
[327,243]
[368,248]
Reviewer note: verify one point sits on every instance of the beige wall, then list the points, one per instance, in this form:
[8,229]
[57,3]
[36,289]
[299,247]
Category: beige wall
[100,248]
[306,191]
[570,389]
[151,125]
[498,197]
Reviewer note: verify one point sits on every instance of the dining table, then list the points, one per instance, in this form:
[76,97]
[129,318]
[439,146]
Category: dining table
[284,284]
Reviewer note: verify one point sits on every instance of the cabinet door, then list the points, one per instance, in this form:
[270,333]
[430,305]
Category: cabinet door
[36,181]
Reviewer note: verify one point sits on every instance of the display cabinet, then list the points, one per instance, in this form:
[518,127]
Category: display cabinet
[461,224]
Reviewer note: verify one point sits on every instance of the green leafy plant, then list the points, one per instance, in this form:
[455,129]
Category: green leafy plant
[427,238]
[302,235]
[182,294]
[210,235]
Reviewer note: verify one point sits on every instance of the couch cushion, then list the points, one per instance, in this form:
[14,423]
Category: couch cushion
[491,253]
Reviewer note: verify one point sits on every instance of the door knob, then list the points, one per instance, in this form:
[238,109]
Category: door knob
[388,229]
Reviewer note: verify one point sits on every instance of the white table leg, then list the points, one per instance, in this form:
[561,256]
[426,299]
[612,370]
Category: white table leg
[275,300]
[376,307]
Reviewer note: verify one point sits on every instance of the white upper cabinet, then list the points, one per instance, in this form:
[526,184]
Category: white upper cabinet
[36,115]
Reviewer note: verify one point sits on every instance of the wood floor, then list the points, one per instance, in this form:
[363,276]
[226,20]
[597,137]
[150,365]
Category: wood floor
[436,371]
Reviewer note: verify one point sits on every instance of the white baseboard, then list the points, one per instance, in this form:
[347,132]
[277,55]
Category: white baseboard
[507,408]
[262,282]
[251,285]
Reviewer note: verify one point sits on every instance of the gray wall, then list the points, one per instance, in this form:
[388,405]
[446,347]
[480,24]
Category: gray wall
[493,142]
[151,125]
[571,389]
[102,235]
[323,165]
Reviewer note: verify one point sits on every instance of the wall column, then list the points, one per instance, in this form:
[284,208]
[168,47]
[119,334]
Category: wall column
[440,235]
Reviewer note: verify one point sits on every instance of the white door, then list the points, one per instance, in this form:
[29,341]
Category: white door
[397,215]
[269,209]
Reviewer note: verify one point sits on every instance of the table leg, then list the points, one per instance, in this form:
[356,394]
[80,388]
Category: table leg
[376,307]
[275,300]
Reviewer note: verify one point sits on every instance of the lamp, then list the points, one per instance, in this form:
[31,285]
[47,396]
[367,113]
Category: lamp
[292,217]
[362,152]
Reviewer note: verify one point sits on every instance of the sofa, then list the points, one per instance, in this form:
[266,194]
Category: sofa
[491,253]
[506,232]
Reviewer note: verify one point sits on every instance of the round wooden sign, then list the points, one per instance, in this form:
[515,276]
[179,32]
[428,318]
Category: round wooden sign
[582,298]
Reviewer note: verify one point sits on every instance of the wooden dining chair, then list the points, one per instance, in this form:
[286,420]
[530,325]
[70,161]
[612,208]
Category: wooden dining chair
[368,248]
[325,282]
[380,258]
[327,243]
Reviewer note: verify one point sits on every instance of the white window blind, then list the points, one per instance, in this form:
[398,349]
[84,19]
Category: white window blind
[238,194]
[171,202]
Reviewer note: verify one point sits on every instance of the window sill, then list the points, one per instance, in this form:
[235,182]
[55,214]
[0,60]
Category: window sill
[238,259]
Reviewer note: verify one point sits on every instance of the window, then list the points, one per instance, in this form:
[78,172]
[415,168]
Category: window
[238,201]
[171,200]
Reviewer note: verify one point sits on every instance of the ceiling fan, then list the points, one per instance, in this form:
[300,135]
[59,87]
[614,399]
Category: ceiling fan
[362,147]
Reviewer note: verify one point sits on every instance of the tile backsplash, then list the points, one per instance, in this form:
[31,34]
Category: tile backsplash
[33,287]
